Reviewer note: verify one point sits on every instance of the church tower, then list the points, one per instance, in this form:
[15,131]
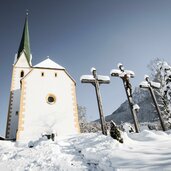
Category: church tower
[22,65]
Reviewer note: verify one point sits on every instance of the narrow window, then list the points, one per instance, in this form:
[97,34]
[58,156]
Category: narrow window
[55,74]
[42,74]
[16,113]
[22,74]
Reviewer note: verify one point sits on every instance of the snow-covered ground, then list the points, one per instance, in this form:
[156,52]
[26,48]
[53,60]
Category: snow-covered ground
[148,150]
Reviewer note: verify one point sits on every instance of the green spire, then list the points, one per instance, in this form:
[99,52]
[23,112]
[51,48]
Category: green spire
[25,42]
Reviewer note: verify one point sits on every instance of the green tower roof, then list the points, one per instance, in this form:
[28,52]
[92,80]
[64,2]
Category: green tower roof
[25,42]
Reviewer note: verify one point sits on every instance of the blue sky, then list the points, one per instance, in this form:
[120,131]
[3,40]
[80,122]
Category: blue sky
[80,34]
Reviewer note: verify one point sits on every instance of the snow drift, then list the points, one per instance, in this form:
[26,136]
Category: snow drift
[147,150]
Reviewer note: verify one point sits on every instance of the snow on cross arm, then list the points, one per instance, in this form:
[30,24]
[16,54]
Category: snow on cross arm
[155,84]
[144,84]
[116,72]
[91,78]
[119,73]
[103,78]
[87,77]
[130,73]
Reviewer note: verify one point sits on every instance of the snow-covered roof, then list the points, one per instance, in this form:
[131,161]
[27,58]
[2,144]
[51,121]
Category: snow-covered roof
[48,63]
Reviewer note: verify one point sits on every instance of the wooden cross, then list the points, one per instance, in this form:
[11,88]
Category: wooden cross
[125,75]
[150,85]
[96,80]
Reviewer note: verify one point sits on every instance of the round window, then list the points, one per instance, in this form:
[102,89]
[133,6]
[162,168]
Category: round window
[51,99]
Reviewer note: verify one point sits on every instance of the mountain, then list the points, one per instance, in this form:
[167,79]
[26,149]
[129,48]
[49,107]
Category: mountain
[146,113]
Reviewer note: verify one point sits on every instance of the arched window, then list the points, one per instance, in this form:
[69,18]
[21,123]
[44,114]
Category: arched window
[22,74]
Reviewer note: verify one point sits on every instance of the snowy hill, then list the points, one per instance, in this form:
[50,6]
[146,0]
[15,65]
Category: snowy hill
[94,152]
[147,111]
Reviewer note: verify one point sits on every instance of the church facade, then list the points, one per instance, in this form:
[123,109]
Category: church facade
[42,97]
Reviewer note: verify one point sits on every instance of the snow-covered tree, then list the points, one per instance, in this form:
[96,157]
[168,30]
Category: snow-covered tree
[161,72]
[165,92]
[86,126]
[82,118]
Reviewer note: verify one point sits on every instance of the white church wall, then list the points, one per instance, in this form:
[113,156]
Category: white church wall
[13,111]
[38,116]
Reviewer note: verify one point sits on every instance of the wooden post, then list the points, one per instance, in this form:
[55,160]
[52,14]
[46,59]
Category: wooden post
[131,105]
[157,108]
[99,102]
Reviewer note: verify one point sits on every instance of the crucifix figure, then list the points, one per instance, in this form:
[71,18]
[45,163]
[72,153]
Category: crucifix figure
[125,75]
[127,85]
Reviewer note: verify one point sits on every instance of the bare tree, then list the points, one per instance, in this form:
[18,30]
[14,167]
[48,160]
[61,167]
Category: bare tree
[85,125]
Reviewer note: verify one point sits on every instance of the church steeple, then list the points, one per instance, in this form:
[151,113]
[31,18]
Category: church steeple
[25,42]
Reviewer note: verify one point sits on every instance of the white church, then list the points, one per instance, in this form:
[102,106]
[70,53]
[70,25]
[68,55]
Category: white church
[42,97]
